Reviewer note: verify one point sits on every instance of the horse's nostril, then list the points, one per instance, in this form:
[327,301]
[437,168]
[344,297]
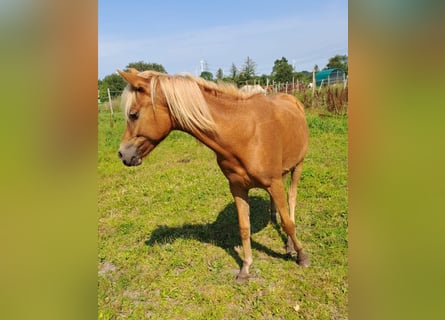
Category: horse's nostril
[119,155]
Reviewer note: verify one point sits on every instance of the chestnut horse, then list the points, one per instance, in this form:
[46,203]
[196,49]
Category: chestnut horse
[257,139]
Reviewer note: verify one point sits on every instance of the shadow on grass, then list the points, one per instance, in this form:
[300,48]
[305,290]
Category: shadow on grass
[224,232]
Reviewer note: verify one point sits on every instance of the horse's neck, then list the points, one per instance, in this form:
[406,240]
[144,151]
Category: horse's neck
[211,140]
[221,115]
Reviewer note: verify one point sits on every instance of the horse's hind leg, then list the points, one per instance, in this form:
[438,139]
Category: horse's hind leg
[276,190]
[295,176]
[273,207]
[273,212]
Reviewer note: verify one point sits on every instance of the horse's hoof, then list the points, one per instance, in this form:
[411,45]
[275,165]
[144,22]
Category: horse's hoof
[290,247]
[303,260]
[241,277]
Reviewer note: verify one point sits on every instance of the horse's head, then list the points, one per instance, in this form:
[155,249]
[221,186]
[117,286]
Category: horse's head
[148,118]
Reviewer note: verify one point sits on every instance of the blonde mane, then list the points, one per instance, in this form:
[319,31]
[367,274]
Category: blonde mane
[184,98]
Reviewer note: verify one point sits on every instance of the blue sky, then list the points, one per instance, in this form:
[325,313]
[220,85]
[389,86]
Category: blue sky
[179,34]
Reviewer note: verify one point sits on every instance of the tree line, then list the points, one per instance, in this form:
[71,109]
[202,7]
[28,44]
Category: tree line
[282,72]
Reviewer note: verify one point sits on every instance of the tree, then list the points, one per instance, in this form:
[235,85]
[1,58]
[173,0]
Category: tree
[303,76]
[248,70]
[143,66]
[207,75]
[338,61]
[262,79]
[282,71]
[233,72]
[219,74]
[114,82]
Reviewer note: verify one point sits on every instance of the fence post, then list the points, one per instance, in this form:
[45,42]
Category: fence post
[111,107]
[313,82]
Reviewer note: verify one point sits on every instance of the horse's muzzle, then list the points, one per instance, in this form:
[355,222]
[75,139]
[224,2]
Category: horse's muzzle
[129,155]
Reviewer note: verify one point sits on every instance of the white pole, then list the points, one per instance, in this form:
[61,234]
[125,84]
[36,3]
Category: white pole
[111,107]
[313,82]
[109,100]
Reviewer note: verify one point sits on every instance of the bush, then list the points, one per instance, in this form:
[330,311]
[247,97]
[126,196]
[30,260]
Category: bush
[333,99]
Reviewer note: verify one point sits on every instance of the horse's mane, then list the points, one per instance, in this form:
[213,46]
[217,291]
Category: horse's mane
[184,97]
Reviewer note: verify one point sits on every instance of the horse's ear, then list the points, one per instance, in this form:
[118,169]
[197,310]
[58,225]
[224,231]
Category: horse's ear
[137,82]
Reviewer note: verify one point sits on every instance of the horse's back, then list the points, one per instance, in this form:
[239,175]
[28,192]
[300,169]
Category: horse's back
[287,100]
[291,130]
[281,130]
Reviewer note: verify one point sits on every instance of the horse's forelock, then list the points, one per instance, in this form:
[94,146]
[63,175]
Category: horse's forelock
[129,93]
[127,100]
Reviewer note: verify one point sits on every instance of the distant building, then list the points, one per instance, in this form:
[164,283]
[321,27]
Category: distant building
[329,76]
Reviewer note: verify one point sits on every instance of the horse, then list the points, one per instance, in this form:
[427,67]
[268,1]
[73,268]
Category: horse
[252,89]
[257,139]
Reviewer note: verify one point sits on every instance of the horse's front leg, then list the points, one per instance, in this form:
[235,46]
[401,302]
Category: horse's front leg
[242,205]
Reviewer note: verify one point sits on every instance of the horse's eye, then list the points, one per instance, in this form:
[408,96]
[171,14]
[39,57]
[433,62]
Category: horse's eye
[134,115]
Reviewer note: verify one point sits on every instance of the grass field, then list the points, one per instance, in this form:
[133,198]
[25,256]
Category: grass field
[168,231]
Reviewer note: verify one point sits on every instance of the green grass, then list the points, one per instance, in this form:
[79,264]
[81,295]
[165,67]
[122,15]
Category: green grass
[168,231]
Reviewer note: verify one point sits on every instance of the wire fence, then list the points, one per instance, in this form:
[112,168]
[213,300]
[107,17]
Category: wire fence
[333,95]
